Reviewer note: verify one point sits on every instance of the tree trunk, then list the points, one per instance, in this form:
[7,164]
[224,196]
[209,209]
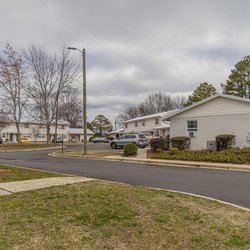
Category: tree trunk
[48,135]
[18,132]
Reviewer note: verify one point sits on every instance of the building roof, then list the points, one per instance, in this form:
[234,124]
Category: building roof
[236,98]
[163,126]
[121,130]
[80,131]
[158,115]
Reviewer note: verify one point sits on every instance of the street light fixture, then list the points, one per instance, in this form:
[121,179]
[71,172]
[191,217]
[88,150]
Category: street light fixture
[84,96]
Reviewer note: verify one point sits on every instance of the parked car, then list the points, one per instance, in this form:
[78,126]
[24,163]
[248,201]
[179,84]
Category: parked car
[100,139]
[140,140]
[24,141]
[58,140]
[1,140]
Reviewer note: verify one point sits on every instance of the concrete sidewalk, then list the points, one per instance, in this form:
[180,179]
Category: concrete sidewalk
[20,186]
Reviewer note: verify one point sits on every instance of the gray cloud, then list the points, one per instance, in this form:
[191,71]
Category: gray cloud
[135,47]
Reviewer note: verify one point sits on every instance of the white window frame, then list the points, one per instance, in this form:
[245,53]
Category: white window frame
[191,131]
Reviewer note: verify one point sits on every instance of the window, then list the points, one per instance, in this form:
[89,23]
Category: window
[26,135]
[130,136]
[126,125]
[26,125]
[41,136]
[143,123]
[156,121]
[192,128]
[136,124]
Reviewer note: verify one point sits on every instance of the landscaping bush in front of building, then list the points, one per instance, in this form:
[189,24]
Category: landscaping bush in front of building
[224,142]
[180,142]
[235,156]
[159,143]
[130,149]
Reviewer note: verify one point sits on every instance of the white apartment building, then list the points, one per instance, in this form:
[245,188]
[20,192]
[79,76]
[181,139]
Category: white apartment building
[215,115]
[34,131]
[149,124]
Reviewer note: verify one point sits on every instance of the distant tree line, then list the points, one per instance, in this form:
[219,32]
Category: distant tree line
[154,103]
[237,84]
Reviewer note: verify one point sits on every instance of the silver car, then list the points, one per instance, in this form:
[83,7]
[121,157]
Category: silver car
[140,140]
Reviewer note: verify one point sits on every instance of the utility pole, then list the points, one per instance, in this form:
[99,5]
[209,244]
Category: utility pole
[84,100]
[83,52]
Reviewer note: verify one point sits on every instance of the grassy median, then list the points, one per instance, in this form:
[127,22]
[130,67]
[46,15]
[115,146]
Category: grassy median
[103,215]
[95,153]
[8,174]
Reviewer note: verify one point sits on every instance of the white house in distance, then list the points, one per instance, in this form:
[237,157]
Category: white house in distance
[34,131]
[77,135]
[216,115]
[149,124]
[116,133]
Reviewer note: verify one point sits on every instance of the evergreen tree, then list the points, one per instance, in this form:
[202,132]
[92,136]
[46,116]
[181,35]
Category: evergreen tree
[203,91]
[238,82]
[101,124]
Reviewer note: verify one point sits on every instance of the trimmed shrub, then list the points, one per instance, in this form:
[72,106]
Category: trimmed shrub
[236,156]
[180,142]
[130,149]
[224,142]
[159,143]
[173,151]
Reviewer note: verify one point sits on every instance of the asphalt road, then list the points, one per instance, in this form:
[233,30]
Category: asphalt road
[228,186]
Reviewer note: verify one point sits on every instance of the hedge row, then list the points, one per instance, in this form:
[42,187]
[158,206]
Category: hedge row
[239,156]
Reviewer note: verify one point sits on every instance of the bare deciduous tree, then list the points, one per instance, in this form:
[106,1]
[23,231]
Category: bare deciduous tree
[69,106]
[67,72]
[154,103]
[51,75]
[4,120]
[13,85]
[127,114]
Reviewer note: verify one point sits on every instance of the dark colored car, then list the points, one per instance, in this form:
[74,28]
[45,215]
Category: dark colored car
[140,140]
[1,140]
[58,140]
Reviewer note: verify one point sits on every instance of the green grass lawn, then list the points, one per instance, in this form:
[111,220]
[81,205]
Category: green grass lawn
[103,215]
[16,146]
[19,174]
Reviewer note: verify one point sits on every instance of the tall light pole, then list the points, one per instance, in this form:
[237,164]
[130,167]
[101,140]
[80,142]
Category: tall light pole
[84,97]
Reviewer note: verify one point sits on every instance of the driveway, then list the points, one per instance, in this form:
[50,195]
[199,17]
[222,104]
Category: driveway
[228,186]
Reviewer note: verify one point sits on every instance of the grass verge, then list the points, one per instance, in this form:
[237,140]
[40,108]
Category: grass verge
[235,156]
[103,215]
[16,146]
[95,153]
[8,174]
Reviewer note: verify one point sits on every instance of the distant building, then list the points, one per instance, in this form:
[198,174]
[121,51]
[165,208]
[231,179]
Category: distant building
[149,124]
[34,131]
[215,115]
[77,134]
[116,133]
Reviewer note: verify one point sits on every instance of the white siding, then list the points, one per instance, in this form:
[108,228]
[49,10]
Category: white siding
[149,125]
[218,106]
[211,126]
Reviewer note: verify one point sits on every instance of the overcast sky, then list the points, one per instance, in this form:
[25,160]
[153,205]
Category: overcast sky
[135,47]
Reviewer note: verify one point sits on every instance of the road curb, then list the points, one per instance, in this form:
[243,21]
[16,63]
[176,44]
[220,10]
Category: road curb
[32,149]
[167,163]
